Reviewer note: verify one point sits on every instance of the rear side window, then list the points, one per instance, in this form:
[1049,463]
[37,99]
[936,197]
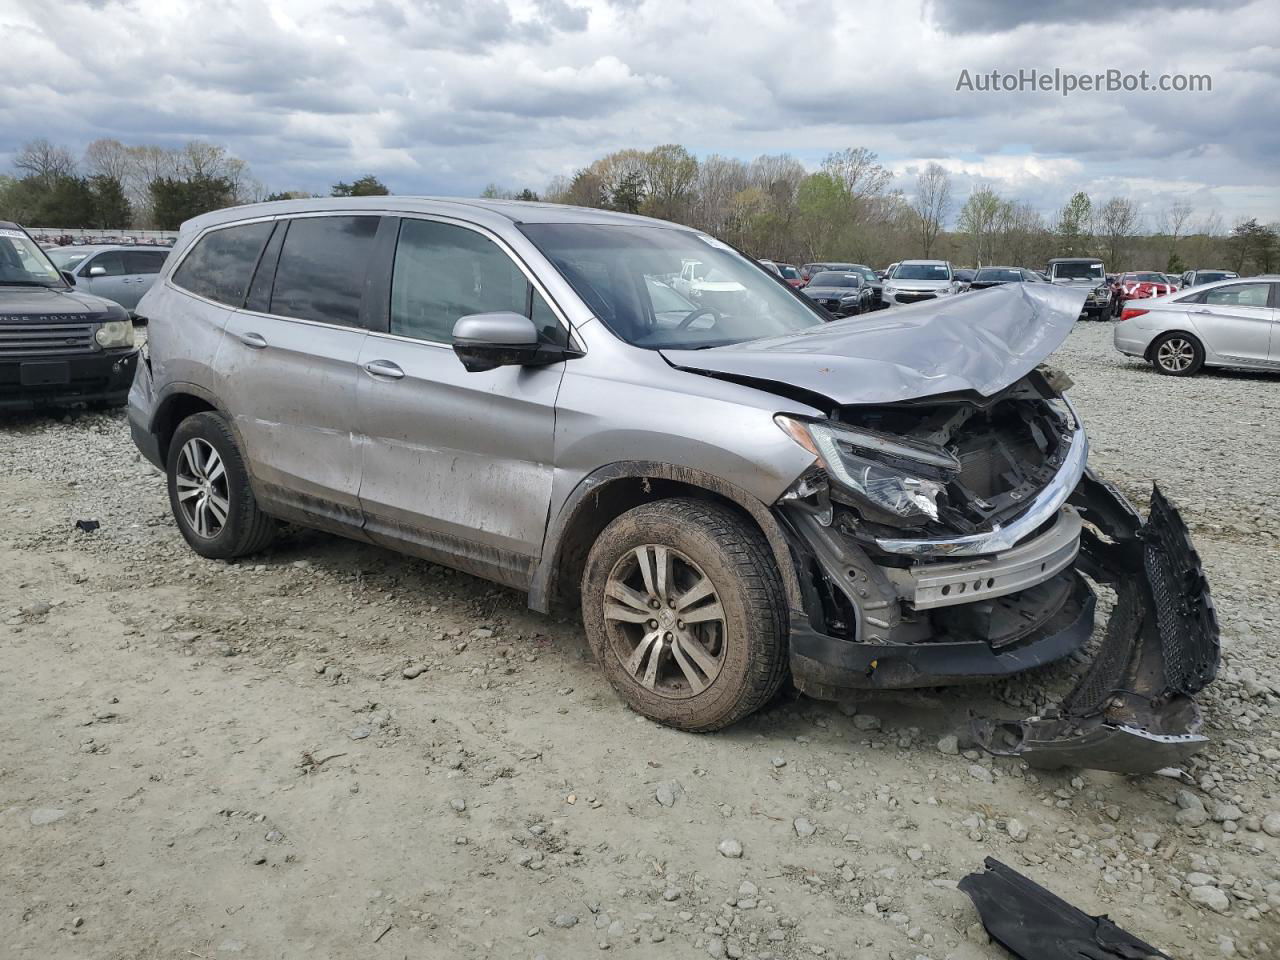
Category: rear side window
[221,263]
[143,261]
[322,268]
[444,272]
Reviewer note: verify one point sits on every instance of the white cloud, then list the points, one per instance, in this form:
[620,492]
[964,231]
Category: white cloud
[442,98]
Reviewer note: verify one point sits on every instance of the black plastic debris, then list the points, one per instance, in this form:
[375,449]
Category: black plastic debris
[1034,924]
[87,526]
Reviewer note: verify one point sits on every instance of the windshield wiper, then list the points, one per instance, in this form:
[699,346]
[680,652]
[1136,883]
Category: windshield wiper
[26,283]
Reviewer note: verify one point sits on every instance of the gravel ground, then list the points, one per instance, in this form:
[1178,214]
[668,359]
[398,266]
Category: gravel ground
[334,751]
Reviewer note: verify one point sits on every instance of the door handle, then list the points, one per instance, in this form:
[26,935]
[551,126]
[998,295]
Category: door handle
[383,370]
[255,340]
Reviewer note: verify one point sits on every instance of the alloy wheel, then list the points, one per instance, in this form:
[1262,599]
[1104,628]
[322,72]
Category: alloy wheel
[203,494]
[665,620]
[1175,354]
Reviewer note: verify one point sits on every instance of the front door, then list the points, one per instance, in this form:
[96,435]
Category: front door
[457,465]
[1235,321]
[105,276]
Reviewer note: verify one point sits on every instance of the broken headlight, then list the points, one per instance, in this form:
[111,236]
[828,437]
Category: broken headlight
[893,475]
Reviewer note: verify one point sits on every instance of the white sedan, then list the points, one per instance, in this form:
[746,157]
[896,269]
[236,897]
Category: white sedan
[1231,323]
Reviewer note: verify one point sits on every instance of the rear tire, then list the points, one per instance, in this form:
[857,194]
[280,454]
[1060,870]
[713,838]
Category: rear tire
[1177,355]
[209,491]
[686,613]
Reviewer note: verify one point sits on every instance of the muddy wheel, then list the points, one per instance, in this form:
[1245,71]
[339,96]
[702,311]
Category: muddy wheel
[1177,355]
[209,491]
[686,613]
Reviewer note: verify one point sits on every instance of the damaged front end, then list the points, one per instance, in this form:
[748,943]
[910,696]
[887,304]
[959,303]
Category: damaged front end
[948,538]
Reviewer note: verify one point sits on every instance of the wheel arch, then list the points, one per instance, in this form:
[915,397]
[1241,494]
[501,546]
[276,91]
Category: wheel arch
[610,491]
[179,401]
[1149,354]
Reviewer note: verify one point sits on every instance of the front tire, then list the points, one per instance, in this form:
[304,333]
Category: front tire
[209,491]
[1177,355]
[685,611]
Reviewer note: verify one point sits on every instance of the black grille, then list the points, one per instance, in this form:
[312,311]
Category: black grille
[916,297]
[1184,609]
[44,339]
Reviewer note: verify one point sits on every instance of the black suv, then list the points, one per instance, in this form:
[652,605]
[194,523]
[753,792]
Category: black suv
[57,346]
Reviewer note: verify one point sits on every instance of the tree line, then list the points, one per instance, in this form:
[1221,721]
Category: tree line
[771,206]
[849,210]
[117,186]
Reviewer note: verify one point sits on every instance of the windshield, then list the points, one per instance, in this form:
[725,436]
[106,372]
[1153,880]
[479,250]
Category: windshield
[998,276]
[627,275]
[22,263]
[1213,276]
[1077,271]
[922,271]
[830,279]
[789,272]
[1146,277]
[66,259]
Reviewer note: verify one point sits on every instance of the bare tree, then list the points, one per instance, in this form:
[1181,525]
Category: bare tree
[1117,223]
[1172,223]
[979,218]
[108,158]
[931,204]
[44,160]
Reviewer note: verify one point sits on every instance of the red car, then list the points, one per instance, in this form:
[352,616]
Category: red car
[1138,286]
[791,275]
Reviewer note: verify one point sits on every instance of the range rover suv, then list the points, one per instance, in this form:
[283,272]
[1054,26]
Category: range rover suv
[57,344]
[733,488]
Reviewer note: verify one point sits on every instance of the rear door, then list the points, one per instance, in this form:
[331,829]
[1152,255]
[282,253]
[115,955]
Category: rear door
[1235,320]
[457,465]
[289,359]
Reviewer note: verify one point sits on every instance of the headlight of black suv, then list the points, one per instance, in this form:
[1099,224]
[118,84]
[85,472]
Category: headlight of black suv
[893,475]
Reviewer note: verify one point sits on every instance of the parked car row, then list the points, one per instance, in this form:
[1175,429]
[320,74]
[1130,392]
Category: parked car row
[76,240]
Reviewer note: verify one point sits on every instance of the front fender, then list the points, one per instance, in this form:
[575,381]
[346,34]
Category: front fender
[587,495]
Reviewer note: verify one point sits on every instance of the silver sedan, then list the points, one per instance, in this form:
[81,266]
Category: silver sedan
[1231,323]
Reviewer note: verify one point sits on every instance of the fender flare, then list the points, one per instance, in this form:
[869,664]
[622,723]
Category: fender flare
[544,585]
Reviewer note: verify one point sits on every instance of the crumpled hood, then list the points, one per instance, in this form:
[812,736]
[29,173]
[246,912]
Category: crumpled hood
[980,342]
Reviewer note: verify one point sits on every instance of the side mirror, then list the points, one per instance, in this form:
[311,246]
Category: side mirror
[68,276]
[97,271]
[485,341]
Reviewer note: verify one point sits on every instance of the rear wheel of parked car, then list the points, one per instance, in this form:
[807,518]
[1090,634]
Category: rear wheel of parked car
[209,491]
[1177,355]
[685,611]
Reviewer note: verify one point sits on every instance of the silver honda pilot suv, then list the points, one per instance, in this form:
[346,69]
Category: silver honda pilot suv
[735,487]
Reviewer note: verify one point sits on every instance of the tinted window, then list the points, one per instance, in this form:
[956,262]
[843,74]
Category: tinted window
[1239,295]
[221,263]
[143,261]
[322,266]
[112,263]
[829,279]
[443,272]
[996,275]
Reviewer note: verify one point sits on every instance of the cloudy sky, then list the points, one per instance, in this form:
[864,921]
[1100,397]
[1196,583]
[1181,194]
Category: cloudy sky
[444,96]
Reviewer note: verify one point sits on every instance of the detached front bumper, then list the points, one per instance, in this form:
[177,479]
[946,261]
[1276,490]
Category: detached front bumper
[1131,712]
